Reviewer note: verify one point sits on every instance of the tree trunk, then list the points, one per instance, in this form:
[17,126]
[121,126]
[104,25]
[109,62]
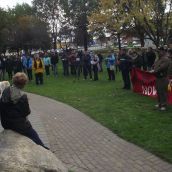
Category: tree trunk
[54,43]
[119,40]
[85,37]
[142,40]
[85,42]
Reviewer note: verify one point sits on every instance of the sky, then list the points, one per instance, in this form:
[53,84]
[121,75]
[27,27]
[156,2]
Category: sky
[12,3]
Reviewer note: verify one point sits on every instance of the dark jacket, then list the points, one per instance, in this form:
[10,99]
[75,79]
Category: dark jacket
[151,56]
[17,65]
[54,59]
[86,60]
[170,68]
[2,63]
[14,109]
[161,67]
[125,62]
[9,65]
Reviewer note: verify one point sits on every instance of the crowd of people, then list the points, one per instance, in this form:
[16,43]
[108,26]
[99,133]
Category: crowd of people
[14,106]
[75,63]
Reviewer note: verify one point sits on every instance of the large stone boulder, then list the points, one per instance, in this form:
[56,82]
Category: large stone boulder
[20,154]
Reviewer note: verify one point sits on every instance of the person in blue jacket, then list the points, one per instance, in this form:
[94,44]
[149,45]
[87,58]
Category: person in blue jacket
[107,62]
[110,65]
[29,67]
[112,60]
[47,64]
[24,62]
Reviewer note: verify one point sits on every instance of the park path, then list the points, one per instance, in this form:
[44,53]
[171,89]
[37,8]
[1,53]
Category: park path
[83,145]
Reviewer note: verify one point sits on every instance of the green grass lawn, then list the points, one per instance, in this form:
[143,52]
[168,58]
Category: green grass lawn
[127,114]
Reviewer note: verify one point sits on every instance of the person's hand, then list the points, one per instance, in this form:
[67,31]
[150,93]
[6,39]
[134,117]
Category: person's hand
[151,71]
[170,82]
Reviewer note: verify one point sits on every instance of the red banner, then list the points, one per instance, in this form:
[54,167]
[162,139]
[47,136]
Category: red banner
[144,83]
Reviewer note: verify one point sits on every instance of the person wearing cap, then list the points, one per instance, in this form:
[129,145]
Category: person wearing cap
[14,109]
[160,71]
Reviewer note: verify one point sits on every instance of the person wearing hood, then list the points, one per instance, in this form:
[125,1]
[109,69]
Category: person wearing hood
[14,109]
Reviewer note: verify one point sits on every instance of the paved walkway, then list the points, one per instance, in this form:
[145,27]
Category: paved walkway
[86,146]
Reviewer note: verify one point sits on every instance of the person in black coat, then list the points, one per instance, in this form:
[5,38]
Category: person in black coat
[151,56]
[87,65]
[125,66]
[65,62]
[9,67]
[54,62]
[14,109]
[2,68]
[17,65]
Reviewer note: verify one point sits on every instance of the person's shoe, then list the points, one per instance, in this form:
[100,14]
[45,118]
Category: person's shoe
[157,106]
[163,109]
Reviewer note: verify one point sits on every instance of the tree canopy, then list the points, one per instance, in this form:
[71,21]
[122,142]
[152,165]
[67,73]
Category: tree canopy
[21,29]
[25,26]
[152,19]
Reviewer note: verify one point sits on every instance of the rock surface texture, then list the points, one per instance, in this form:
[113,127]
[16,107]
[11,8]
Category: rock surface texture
[20,154]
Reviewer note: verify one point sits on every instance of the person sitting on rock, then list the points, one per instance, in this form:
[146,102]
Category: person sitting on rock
[14,109]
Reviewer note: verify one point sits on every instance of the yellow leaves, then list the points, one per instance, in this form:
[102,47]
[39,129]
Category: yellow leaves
[106,16]
[24,21]
[107,4]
